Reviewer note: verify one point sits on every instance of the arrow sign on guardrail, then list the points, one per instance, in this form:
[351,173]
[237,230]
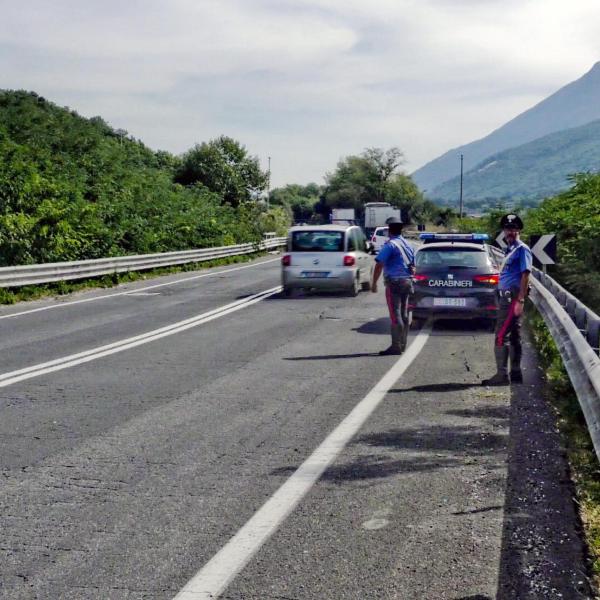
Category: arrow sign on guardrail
[543,248]
[500,242]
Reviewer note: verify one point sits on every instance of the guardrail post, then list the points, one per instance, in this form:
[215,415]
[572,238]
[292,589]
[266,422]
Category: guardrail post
[580,316]
[593,332]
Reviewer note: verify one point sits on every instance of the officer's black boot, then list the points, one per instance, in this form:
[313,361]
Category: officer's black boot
[501,376]
[404,337]
[396,347]
[516,375]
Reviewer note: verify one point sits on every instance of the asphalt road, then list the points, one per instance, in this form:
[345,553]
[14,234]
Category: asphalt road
[123,476]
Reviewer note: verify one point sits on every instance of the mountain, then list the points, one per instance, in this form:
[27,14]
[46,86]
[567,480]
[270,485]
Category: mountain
[531,171]
[575,104]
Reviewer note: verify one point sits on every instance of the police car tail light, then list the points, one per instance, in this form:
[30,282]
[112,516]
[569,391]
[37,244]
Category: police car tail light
[286,260]
[349,261]
[420,277]
[493,278]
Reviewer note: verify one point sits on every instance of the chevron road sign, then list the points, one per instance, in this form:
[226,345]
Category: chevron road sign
[543,248]
[500,242]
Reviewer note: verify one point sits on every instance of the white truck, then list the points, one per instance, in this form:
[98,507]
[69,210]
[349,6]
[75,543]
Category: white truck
[343,216]
[377,213]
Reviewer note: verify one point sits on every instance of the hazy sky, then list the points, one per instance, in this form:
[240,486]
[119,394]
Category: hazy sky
[304,82]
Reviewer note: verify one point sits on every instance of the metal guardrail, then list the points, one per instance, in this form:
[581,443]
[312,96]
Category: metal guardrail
[576,330]
[63,271]
[573,342]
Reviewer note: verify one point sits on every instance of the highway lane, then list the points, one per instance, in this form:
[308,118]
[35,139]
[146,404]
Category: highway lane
[94,318]
[122,477]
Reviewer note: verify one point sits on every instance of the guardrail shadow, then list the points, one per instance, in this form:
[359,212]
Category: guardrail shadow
[542,555]
[542,552]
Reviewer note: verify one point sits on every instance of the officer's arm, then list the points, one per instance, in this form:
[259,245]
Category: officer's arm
[376,274]
[525,264]
[524,287]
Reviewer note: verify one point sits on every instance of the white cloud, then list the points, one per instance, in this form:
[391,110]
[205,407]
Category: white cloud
[303,81]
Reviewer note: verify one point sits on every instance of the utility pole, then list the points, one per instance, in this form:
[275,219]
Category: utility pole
[460,214]
[268,182]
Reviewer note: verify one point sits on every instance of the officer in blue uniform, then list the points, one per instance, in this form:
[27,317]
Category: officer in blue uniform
[512,291]
[397,261]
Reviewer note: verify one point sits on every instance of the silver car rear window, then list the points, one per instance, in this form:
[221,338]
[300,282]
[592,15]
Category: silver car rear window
[318,241]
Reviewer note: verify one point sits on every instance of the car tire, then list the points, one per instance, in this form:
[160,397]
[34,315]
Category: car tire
[366,286]
[287,291]
[355,289]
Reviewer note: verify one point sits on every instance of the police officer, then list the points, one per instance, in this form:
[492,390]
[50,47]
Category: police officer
[512,291]
[397,261]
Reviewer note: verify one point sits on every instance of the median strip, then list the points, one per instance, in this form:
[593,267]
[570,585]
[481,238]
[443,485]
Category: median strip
[220,570]
[88,355]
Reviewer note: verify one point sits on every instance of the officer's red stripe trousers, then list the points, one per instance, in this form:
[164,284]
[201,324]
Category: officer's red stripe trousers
[507,323]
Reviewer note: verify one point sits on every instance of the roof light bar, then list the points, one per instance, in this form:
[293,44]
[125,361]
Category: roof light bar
[454,236]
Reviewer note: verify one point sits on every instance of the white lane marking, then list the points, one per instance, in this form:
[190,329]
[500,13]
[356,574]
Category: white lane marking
[88,355]
[223,567]
[143,294]
[137,290]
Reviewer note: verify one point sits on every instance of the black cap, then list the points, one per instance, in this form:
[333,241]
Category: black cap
[393,221]
[511,221]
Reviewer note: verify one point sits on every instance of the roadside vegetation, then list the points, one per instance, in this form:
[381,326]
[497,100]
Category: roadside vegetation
[74,188]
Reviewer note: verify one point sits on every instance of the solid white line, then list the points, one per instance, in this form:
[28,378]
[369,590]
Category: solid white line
[88,355]
[137,290]
[220,570]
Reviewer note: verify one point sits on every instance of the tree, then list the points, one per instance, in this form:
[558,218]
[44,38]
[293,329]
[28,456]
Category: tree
[300,200]
[223,166]
[374,177]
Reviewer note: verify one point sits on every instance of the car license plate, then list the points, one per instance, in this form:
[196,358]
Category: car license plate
[315,274]
[449,301]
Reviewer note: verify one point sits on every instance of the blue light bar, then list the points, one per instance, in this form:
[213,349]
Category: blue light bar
[454,236]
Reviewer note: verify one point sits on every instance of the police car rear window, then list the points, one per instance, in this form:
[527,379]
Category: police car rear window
[443,258]
[318,241]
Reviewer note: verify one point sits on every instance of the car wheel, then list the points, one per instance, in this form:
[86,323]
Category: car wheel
[287,291]
[355,287]
[366,286]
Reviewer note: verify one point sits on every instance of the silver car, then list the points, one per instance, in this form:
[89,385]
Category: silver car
[326,257]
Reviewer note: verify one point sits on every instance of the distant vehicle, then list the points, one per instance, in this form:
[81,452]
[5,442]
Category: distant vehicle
[379,238]
[343,216]
[455,278]
[377,213]
[326,257]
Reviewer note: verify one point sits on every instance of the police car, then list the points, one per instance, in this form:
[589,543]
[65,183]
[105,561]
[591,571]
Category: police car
[456,276]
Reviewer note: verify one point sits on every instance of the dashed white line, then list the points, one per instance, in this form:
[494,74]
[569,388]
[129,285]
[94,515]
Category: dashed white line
[88,355]
[220,570]
[136,291]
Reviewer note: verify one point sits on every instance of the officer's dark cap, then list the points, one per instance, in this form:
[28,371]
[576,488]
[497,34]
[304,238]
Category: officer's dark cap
[511,221]
[393,221]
